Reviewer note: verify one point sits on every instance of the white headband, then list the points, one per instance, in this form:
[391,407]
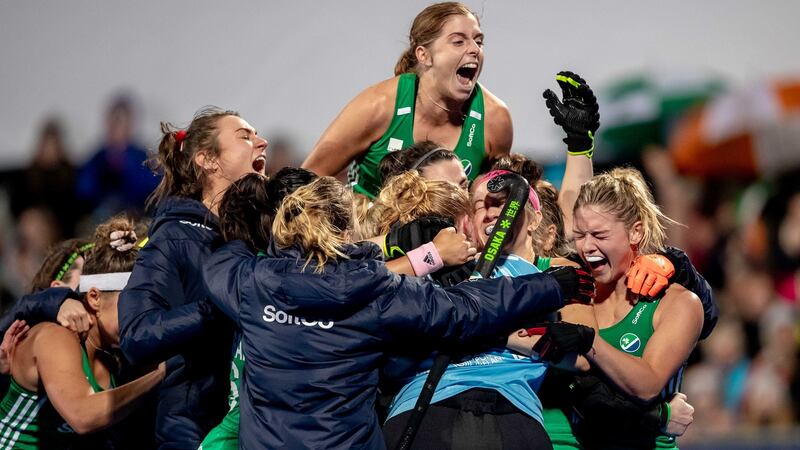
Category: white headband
[104,281]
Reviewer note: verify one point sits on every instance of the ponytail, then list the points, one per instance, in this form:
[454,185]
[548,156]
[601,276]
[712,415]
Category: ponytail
[176,151]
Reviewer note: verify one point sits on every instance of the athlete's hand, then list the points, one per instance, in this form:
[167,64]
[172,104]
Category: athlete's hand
[14,335]
[401,239]
[577,285]
[73,315]
[649,274]
[681,415]
[577,113]
[560,338]
[122,241]
[453,247]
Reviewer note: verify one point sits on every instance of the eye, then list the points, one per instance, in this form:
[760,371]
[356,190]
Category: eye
[479,42]
[458,42]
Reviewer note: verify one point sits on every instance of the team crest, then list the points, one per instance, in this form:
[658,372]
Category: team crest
[467,164]
[630,342]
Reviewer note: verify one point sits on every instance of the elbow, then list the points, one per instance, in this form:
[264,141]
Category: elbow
[82,424]
[646,394]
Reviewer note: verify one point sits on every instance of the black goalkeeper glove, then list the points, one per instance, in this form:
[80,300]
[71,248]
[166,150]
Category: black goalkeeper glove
[578,114]
[561,338]
[403,238]
[577,285]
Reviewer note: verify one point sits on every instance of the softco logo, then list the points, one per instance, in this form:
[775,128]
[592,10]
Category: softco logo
[271,314]
[471,135]
[630,342]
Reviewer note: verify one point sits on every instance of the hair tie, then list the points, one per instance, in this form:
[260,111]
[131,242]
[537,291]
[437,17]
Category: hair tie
[180,136]
[71,260]
[425,157]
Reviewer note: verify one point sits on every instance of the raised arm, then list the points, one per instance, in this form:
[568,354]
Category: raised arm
[577,113]
[676,329]
[58,362]
[362,122]
[155,323]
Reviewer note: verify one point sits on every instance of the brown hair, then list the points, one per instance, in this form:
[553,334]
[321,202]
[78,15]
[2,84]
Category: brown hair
[242,212]
[105,259]
[624,193]
[544,243]
[426,28]
[60,260]
[317,217]
[408,197]
[175,160]
[417,156]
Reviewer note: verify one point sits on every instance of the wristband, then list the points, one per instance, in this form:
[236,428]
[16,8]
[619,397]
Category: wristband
[664,411]
[425,259]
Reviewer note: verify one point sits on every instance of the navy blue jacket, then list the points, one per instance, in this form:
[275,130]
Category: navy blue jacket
[314,343]
[164,316]
[41,306]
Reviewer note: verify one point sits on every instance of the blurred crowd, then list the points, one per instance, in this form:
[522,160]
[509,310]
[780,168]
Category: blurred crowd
[741,229]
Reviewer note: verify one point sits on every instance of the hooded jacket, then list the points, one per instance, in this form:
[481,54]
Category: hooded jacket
[164,316]
[314,343]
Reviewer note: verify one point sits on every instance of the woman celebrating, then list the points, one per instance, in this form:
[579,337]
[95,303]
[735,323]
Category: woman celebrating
[434,96]
[163,311]
[63,383]
[643,342]
[346,309]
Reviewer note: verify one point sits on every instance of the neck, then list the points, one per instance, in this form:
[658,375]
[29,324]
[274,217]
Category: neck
[436,108]
[94,346]
[612,293]
[212,197]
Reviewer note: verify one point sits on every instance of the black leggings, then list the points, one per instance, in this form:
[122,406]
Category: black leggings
[480,419]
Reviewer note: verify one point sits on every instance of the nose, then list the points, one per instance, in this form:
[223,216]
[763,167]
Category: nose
[474,48]
[261,143]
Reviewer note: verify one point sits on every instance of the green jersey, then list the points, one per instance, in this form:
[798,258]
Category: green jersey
[630,335]
[363,173]
[225,436]
[30,422]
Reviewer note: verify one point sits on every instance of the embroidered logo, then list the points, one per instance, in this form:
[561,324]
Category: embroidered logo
[630,342]
[428,259]
[467,164]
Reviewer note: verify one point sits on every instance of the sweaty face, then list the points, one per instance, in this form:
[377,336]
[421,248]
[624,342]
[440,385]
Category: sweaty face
[446,170]
[456,57]
[604,243]
[242,151]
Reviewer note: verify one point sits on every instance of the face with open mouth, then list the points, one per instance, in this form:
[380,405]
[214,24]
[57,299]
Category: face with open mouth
[604,243]
[456,58]
[242,151]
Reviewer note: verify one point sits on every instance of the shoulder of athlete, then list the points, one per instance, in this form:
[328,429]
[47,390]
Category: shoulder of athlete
[42,337]
[376,103]
[498,127]
[679,304]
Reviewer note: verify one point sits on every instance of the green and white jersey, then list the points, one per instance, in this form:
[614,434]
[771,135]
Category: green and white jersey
[363,173]
[630,335]
[30,422]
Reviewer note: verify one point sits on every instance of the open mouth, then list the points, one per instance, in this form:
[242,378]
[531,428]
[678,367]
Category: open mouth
[596,262]
[260,163]
[466,74]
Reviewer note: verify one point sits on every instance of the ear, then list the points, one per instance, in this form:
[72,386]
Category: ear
[92,299]
[205,162]
[423,56]
[550,238]
[636,233]
[534,224]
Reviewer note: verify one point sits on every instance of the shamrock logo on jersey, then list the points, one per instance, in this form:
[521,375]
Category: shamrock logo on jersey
[630,342]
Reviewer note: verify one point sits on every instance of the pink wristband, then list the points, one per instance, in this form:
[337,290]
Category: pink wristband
[425,259]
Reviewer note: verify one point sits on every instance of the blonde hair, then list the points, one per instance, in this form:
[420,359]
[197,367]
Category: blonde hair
[317,217]
[624,193]
[426,28]
[408,196]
